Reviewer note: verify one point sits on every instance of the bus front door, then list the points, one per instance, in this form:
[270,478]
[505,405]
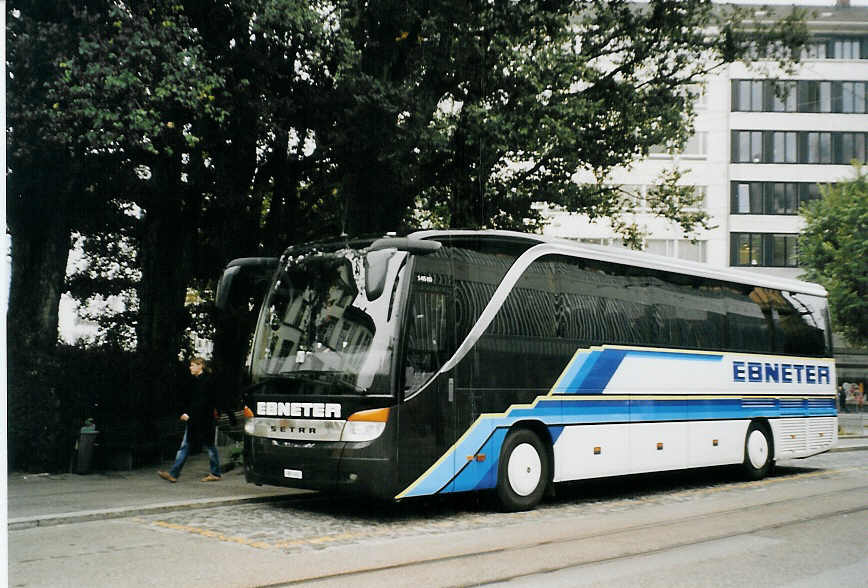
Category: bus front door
[426,416]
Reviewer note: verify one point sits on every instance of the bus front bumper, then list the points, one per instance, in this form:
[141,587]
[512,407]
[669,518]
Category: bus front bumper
[325,466]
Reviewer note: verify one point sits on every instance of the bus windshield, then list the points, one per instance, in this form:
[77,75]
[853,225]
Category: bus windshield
[323,323]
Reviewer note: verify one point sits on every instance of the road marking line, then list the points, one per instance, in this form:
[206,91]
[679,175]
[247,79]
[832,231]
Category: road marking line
[324,539]
[210,534]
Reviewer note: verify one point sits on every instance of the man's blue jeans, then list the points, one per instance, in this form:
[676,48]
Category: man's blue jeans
[184,450]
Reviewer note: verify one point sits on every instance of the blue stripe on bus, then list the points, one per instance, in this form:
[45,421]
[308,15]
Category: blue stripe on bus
[589,372]
[570,373]
[675,355]
[478,475]
[555,432]
[607,364]
[557,413]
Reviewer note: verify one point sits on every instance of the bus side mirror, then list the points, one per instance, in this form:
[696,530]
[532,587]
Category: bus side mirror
[242,276]
[379,253]
[376,268]
[224,287]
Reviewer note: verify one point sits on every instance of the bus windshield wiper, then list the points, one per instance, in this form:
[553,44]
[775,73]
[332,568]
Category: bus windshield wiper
[315,377]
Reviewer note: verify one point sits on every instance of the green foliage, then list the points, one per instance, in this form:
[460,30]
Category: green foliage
[136,82]
[833,248]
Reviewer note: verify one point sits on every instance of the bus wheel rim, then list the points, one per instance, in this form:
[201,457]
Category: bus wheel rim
[524,469]
[757,449]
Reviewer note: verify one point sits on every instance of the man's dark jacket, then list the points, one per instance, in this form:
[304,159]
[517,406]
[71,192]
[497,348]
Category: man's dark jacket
[200,403]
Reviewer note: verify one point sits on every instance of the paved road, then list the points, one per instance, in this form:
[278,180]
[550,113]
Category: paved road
[804,526]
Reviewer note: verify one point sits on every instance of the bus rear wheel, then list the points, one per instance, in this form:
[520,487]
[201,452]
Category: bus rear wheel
[757,452]
[522,472]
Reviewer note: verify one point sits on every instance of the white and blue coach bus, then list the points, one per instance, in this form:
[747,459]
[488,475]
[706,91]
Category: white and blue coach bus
[453,361]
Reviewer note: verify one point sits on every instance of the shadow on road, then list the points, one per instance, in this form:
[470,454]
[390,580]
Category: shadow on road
[633,487]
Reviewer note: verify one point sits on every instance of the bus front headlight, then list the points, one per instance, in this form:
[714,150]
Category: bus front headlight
[365,425]
[249,421]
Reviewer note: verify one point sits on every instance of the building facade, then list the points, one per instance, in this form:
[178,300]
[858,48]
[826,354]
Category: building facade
[765,140]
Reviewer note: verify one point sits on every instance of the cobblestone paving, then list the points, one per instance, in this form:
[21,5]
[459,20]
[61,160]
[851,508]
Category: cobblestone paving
[318,523]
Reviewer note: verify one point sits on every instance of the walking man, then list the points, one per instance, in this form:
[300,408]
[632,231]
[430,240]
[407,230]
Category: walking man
[199,412]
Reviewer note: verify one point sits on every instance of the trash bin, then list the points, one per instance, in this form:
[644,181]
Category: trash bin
[84,455]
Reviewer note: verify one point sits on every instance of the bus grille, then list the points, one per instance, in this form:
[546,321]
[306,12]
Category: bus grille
[793,435]
[821,433]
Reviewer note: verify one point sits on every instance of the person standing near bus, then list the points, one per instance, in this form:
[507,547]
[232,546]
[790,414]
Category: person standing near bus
[199,412]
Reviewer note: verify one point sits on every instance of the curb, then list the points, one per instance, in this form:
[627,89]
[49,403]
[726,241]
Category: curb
[19,524]
[853,448]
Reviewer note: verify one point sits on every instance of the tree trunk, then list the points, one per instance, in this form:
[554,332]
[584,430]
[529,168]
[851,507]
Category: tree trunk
[40,230]
[165,258]
[39,225]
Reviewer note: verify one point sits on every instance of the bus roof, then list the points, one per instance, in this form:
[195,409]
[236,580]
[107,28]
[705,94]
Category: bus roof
[629,257]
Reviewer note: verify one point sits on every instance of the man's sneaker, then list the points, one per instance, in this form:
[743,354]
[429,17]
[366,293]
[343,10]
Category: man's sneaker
[167,476]
[211,478]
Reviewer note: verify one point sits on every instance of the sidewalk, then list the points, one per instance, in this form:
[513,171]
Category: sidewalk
[56,499]
[43,499]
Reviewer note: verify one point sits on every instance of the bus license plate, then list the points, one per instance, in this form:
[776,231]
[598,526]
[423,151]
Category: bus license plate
[294,474]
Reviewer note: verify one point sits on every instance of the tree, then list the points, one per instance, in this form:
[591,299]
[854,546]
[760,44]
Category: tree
[45,184]
[45,190]
[105,99]
[833,248]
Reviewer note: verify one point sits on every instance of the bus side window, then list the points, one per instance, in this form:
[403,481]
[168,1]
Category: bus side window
[749,320]
[800,326]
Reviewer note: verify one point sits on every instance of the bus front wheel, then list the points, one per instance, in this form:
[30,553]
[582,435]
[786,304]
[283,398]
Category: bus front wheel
[522,472]
[757,452]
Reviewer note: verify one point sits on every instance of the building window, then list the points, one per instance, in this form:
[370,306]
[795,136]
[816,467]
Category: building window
[695,146]
[783,250]
[808,192]
[819,148]
[747,198]
[784,147]
[771,197]
[747,147]
[851,47]
[763,249]
[784,199]
[680,248]
[798,147]
[846,49]
[784,96]
[746,249]
[825,104]
[749,95]
[691,251]
[852,147]
[801,96]
[606,242]
[853,97]
[815,50]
